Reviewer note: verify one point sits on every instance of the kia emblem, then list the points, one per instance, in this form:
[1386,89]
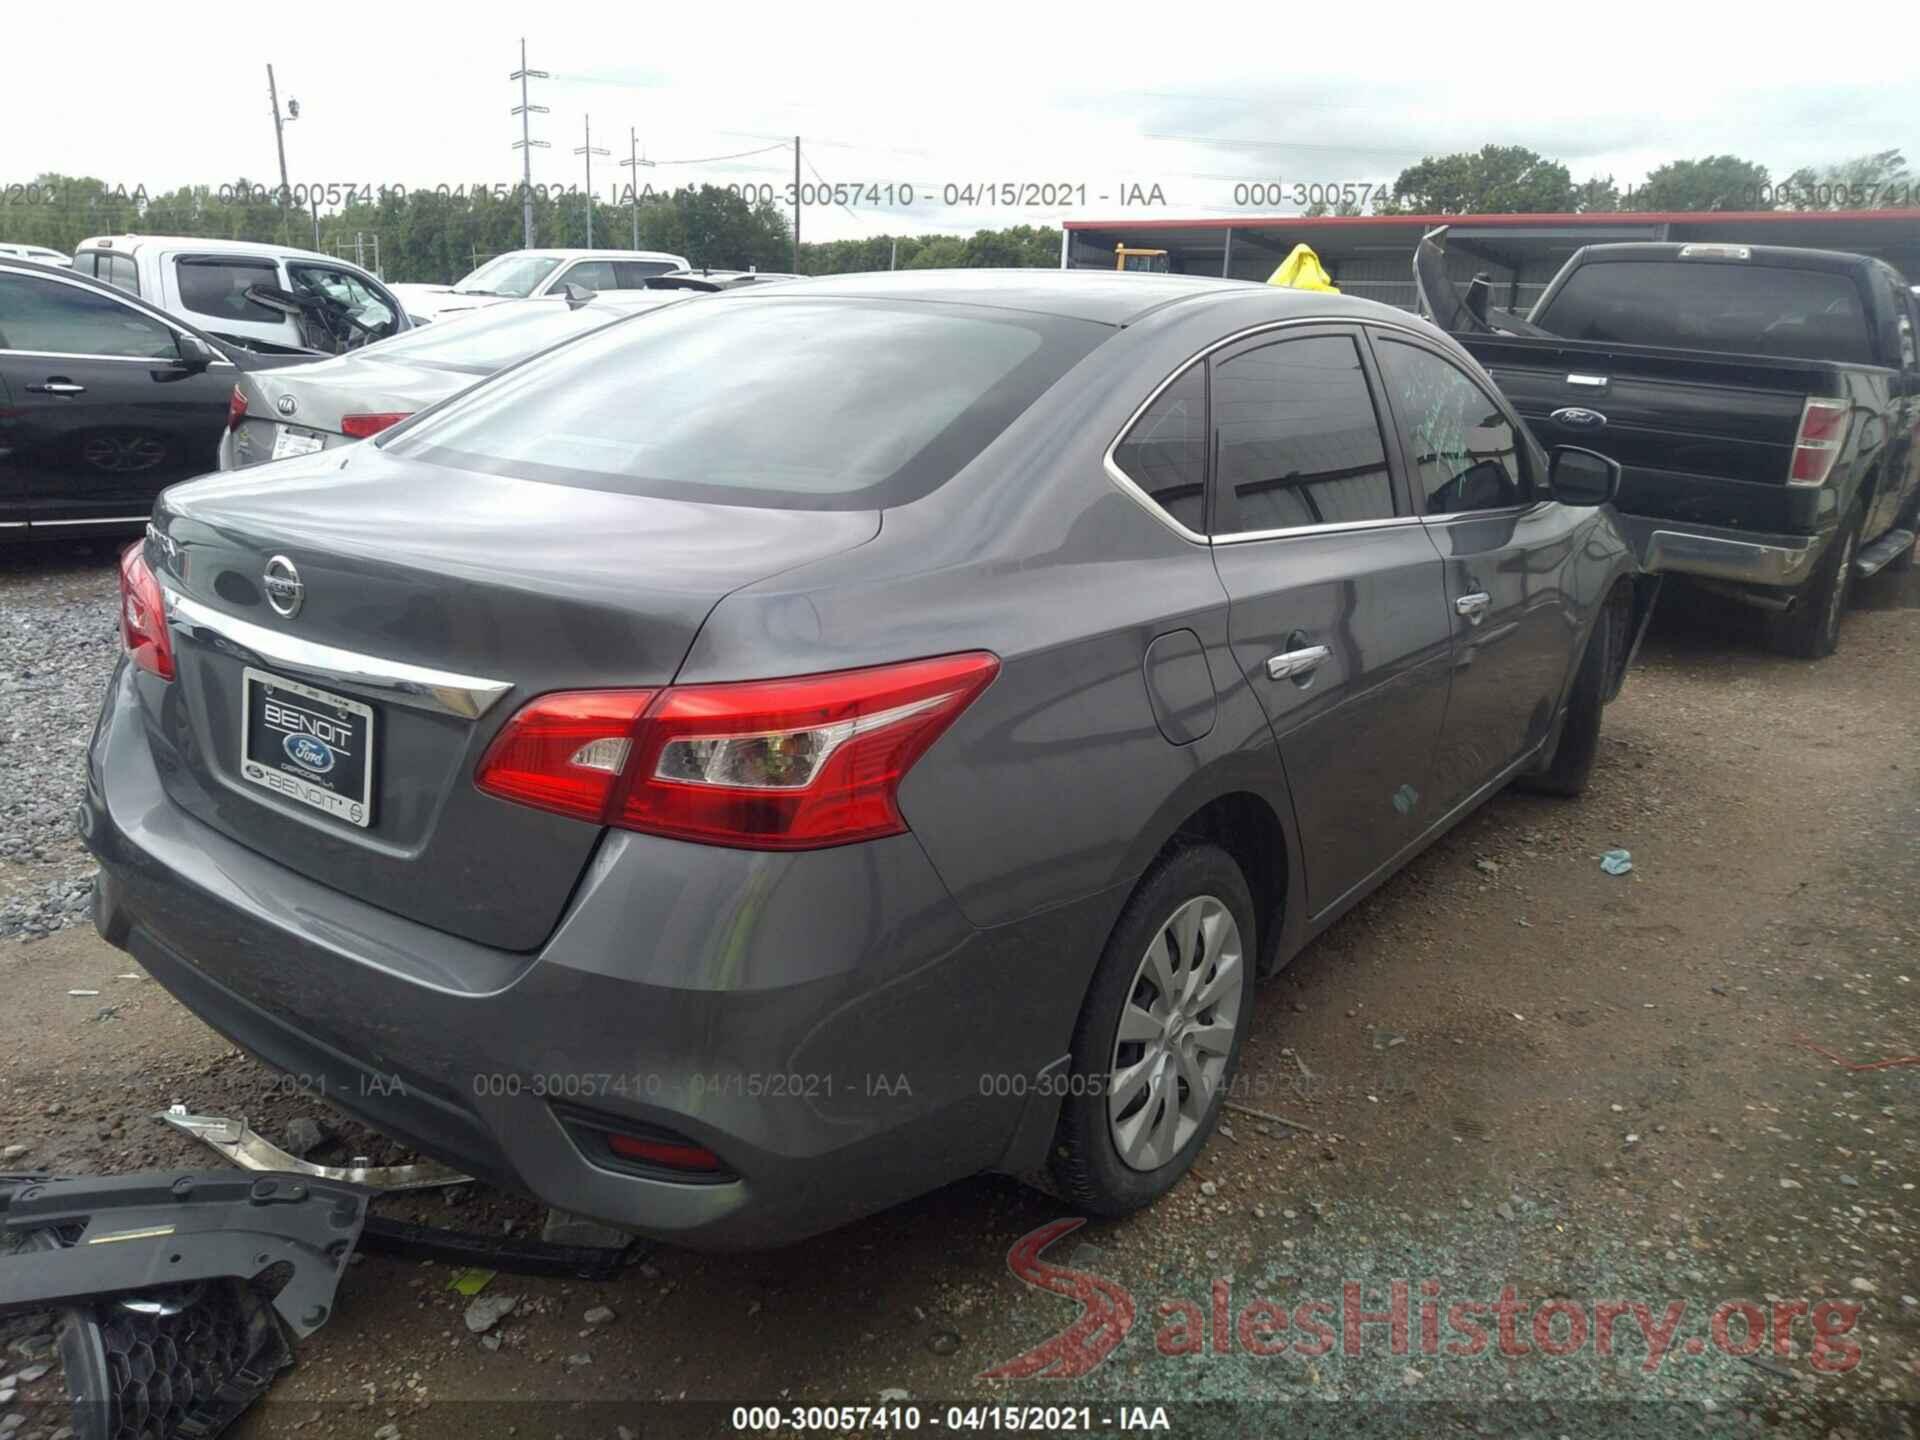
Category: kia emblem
[286,405]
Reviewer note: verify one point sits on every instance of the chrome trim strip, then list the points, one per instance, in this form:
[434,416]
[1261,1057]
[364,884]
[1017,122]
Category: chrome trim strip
[149,362]
[1130,488]
[1331,527]
[1597,382]
[466,696]
[103,520]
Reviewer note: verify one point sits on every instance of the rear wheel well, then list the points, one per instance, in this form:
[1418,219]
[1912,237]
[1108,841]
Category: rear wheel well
[1244,825]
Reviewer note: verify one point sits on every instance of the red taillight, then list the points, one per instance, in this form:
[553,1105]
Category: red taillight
[359,427]
[762,764]
[674,1156]
[565,752]
[236,408]
[143,615]
[1823,429]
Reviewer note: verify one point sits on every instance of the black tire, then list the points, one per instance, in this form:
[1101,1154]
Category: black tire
[1086,1164]
[1565,774]
[1811,629]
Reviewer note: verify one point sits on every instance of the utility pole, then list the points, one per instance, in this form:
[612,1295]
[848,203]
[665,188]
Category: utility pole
[526,143]
[893,252]
[590,150]
[280,134]
[634,163]
[795,266]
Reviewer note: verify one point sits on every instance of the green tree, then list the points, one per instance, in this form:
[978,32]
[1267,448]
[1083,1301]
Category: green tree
[1494,180]
[1866,182]
[1596,196]
[1715,182]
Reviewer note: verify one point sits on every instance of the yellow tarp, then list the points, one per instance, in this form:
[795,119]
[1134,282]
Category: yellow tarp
[1302,270]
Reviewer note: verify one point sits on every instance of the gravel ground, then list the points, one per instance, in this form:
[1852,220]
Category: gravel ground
[1505,1071]
[59,636]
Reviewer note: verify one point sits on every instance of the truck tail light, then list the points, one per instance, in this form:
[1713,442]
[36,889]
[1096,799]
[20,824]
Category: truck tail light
[360,427]
[236,408]
[1823,429]
[143,614]
[793,764]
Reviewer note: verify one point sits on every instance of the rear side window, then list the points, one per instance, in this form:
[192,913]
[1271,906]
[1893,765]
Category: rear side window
[758,400]
[1165,452]
[56,319]
[1462,448]
[1728,306]
[218,288]
[589,274]
[1296,439]
[120,272]
[633,274]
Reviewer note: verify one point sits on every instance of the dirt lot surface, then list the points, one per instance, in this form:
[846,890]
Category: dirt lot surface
[1507,1069]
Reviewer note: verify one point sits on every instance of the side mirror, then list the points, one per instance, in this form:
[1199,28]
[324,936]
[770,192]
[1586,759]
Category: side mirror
[195,354]
[1582,477]
[577,295]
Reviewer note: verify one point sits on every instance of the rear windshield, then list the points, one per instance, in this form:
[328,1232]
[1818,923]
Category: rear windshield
[1710,305]
[762,400]
[492,339]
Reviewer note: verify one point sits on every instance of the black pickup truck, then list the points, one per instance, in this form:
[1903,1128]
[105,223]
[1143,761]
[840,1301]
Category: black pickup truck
[1762,401]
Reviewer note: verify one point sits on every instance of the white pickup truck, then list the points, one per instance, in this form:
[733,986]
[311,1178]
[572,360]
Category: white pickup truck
[313,302]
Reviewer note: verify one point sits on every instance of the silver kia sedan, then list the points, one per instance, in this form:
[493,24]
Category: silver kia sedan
[350,397]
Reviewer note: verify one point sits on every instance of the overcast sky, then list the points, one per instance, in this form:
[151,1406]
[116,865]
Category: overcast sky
[1193,98]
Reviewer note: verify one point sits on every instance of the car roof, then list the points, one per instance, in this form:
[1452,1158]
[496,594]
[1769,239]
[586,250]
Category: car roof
[591,254]
[212,245]
[1110,297]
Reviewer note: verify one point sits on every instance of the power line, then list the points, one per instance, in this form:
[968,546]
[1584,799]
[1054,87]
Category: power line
[737,155]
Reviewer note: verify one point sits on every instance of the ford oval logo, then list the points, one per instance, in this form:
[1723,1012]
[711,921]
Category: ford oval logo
[1576,417]
[309,753]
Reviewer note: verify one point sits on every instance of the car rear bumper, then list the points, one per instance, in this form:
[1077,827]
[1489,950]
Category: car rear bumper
[1678,547]
[825,1022]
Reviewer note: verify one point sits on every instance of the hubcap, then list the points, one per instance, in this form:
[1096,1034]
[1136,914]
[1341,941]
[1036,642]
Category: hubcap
[1176,1031]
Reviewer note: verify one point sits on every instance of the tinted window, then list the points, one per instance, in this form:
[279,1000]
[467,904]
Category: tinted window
[1296,439]
[633,273]
[590,274]
[83,262]
[1165,453]
[62,319]
[218,288]
[762,401]
[1710,305]
[1461,447]
[120,271]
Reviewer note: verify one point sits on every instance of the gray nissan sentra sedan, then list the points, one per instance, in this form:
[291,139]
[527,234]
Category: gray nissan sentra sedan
[785,752]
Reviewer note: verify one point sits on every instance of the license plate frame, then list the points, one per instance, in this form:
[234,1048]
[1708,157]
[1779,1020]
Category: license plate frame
[300,720]
[291,440]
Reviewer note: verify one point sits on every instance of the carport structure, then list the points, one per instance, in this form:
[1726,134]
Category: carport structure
[1372,255]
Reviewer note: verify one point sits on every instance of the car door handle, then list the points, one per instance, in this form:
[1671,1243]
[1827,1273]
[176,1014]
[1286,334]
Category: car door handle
[57,387]
[1295,662]
[1473,606]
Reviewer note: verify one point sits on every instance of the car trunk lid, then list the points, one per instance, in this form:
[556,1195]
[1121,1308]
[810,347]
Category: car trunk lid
[432,602]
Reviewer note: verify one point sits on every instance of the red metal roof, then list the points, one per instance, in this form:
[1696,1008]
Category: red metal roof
[1591,217]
